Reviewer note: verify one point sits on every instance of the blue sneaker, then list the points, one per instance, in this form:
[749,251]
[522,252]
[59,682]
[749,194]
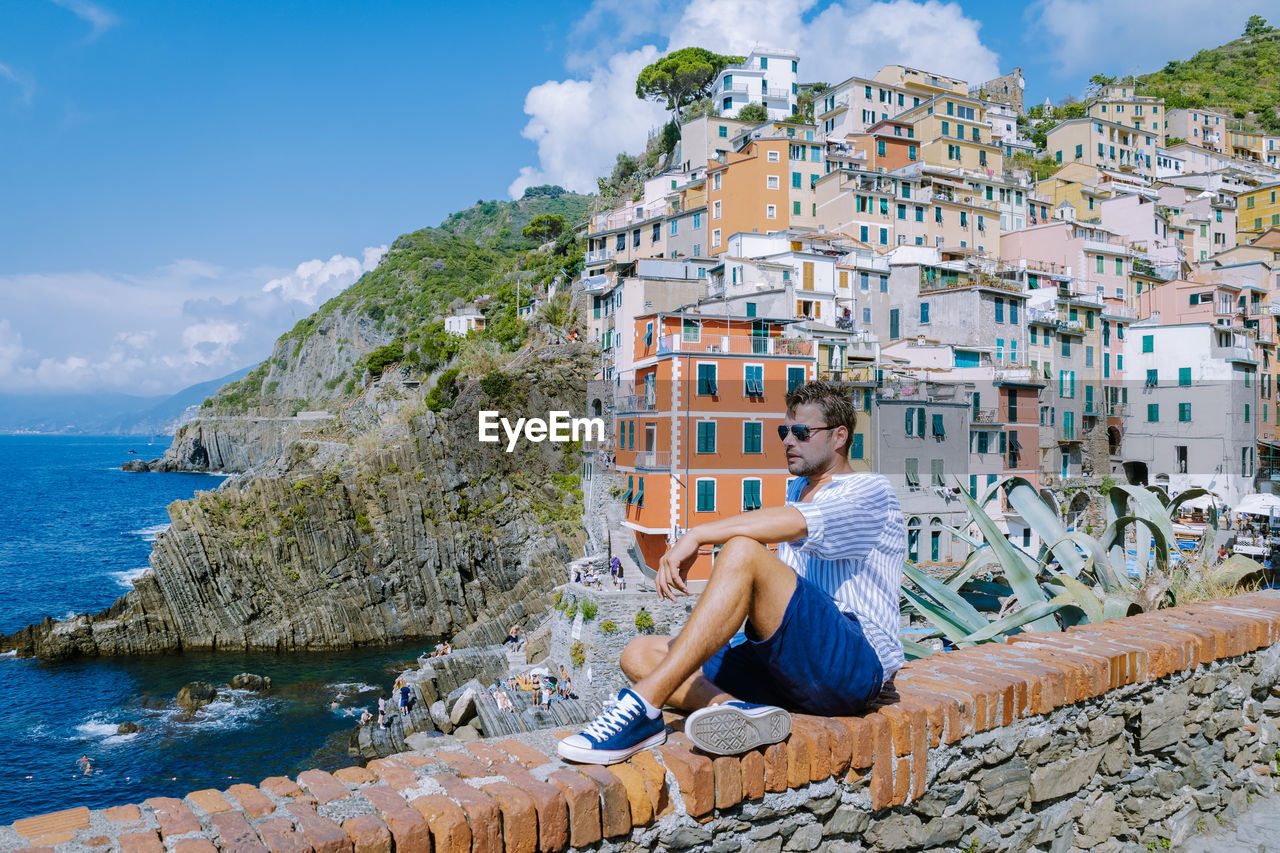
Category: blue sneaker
[615,735]
[734,727]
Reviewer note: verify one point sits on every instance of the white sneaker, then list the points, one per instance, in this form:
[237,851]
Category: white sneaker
[731,728]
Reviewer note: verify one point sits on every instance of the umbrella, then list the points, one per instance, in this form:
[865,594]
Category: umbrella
[1258,504]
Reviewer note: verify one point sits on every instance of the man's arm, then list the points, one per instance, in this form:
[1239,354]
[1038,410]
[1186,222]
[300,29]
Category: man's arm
[766,526]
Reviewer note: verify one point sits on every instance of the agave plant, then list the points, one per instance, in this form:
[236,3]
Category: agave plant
[1074,578]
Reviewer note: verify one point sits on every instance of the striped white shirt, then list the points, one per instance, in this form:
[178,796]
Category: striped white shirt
[853,552]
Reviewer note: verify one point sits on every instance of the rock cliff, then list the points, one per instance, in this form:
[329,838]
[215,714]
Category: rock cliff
[412,530]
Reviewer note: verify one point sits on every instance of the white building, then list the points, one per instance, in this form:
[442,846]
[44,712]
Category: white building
[463,322]
[769,77]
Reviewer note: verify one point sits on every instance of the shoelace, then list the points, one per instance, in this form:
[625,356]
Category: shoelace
[612,721]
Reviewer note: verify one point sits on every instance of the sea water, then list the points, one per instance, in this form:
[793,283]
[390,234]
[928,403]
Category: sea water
[75,531]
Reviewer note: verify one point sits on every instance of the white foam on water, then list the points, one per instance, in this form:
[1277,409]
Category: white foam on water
[12,653]
[126,578]
[149,534]
[95,728]
[350,687]
[232,709]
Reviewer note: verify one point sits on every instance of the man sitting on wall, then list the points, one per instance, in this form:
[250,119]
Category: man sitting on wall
[821,634]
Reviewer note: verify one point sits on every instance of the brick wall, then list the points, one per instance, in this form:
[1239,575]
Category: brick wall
[1120,736]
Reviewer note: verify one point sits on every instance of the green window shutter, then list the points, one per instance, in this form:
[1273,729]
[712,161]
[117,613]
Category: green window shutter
[1184,412]
[1246,413]
[1184,375]
[938,427]
[1148,343]
[1004,444]
[795,180]
[920,413]
[856,451]
[911,421]
[1153,412]
[984,443]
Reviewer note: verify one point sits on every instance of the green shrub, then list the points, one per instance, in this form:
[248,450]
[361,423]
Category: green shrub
[571,611]
[496,384]
[578,654]
[378,360]
[555,599]
[362,521]
[644,621]
[608,626]
[589,609]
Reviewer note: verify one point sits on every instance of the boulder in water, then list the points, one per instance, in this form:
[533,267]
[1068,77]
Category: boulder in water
[196,695]
[249,681]
[127,728]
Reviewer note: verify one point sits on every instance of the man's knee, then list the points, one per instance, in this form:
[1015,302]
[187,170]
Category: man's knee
[642,655]
[740,552]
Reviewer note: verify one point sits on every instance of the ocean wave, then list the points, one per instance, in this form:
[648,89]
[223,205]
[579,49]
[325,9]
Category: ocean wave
[126,578]
[95,728]
[232,709]
[352,687]
[149,534]
[12,653]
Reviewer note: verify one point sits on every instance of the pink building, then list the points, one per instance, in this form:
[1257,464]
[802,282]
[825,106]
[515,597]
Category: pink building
[1096,258]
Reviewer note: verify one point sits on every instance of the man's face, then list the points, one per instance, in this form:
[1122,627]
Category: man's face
[805,458]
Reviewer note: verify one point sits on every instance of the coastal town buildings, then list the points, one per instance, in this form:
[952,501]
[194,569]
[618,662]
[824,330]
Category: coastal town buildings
[988,324]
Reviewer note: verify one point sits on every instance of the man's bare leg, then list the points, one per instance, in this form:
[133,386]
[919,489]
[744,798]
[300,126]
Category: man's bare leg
[747,583]
[643,655]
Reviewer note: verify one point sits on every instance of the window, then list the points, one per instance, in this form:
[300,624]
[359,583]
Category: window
[984,443]
[774,157]
[697,221]
[1153,412]
[912,470]
[919,213]
[715,210]
[902,211]
[706,436]
[770,211]
[939,429]
[1184,375]
[795,377]
[884,236]
[750,495]
[936,476]
[855,450]
[1246,413]
[911,152]
[924,312]
[753,379]
[691,332]
[999,310]
[1066,347]
[771,182]
[724,131]
[795,208]
[911,420]
[1184,412]
[884,284]
[706,495]
[1013,312]
[1098,264]
[715,185]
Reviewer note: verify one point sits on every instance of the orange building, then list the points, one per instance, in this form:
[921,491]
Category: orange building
[887,145]
[698,441]
[750,190]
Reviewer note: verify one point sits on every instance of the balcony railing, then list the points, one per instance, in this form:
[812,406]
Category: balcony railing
[737,345]
[985,416]
[653,459]
[599,255]
[1016,374]
[776,94]
[847,374]
[636,403]
[1117,410]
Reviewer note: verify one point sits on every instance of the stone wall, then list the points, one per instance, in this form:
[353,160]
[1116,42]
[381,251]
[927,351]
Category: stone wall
[1127,735]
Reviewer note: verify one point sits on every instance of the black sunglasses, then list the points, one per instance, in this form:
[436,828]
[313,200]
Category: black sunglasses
[800,431]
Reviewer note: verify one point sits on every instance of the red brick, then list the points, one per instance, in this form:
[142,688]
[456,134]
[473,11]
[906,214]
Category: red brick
[235,834]
[482,812]
[841,743]
[901,780]
[552,808]
[1058,680]
[519,817]
[486,754]
[253,801]
[882,762]
[800,748]
[408,828]
[209,800]
[394,773]
[970,704]
[943,711]
[522,753]
[814,730]
[1098,668]
[694,777]
[447,821]
[123,814]
[54,839]
[98,841]
[1206,640]
[462,764]
[354,776]
[583,799]
[322,786]
[638,797]
[281,837]
[1046,687]
[414,759]
[368,834]
[775,767]
[860,742]
[753,775]
[1162,655]
[1227,643]
[174,816]
[194,845]
[615,807]
[281,786]
[1011,690]
[140,842]
[727,770]
[1129,663]
[322,834]
[990,695]
[655,776]
[900,723]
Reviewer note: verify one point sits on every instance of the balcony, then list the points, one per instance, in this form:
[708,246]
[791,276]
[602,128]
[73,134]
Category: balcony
[985,416]
[738,345]
[653,460]
[849,375]
[599,256]
[776,94]
[636,403]
[945,280]
[1117,410]
[1022,375]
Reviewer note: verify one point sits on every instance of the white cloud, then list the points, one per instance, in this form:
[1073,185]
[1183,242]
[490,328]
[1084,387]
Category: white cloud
[311,278]
[101,19]
[580,125]
[1098,37]
[182,323]
[24,83]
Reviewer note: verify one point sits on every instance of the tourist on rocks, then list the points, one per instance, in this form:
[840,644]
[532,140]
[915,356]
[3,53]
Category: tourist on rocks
[513,636]
[566,686]
[621,582]
[404,699]
[821,632]
[365,717]
[382,711]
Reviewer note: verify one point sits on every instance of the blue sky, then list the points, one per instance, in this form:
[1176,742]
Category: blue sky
[180,182]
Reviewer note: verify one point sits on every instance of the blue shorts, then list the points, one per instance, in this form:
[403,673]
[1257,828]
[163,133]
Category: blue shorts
[817,662]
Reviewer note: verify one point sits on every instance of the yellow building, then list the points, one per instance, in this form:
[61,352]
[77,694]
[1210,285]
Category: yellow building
[1245,145]
[1095,142]
[954,134]
[1256,211]
[1120,104]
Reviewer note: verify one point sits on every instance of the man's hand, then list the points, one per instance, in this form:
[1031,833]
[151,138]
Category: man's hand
[674,567]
